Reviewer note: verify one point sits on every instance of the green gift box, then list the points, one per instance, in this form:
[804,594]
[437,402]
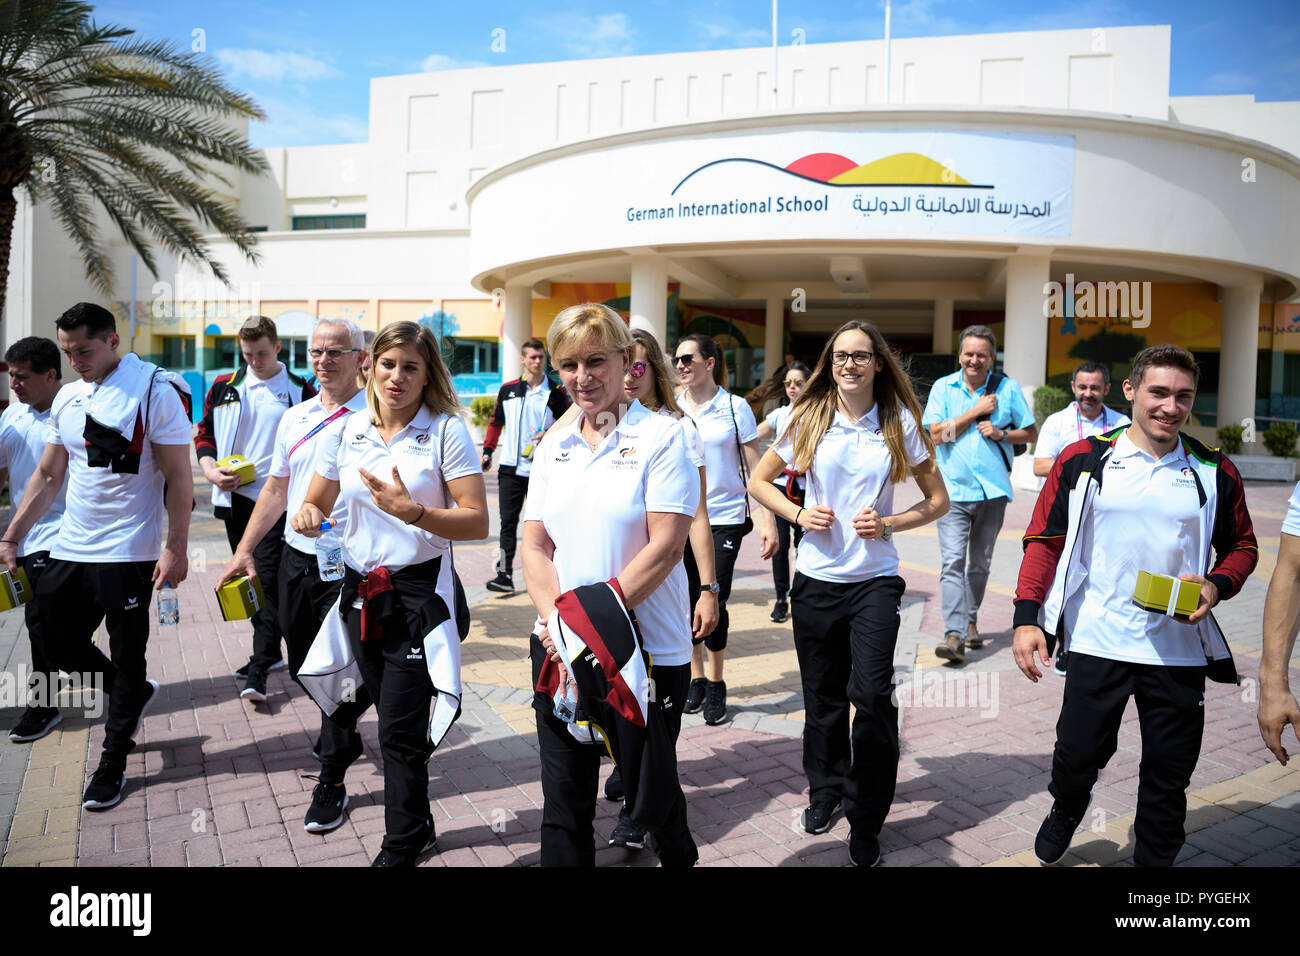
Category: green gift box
[240,598]
[1163,594]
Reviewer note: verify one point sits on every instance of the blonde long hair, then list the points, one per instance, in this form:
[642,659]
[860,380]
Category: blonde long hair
[814,410]
[665,379]
[439,395]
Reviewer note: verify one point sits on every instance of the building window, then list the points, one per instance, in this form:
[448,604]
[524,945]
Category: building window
[293,353]
[330,222]
[178,352]
[470,356]
[225,352]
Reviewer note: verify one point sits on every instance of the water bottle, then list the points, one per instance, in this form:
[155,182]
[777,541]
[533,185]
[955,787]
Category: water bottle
[566,707]
[169,605]
[329,553]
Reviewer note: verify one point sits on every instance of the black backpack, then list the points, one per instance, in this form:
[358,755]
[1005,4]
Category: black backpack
[991,388]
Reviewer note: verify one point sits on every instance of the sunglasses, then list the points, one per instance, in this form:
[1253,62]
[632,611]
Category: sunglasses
[686,359]
[637,369]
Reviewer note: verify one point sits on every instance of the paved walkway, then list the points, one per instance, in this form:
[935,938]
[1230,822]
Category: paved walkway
[217,781]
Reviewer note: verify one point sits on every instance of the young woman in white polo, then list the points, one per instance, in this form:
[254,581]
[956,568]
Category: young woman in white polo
[795,381]
[407,474]
[854,433]
[727,428]
[612,495]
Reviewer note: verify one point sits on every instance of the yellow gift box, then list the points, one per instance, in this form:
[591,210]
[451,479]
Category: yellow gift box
[241,466]
[15,589]
[1166,595]
[240,598]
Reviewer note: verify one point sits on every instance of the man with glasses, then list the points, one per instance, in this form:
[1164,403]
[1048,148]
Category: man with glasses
[304,599]
[974,428]
[525,409]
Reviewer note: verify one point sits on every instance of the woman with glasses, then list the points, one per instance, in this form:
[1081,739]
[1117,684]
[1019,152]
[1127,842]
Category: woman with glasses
[730,437]
[854,435]
[796,377]
[611,498]
[407,474]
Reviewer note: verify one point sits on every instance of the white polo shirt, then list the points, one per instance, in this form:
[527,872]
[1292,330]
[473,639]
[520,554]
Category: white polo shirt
[1068,426]
[777,419]
[111,518]
[22,443]
[850,471]
[719,432]
[694,444]
[294,458]
[372,538]
[1146,517]
[263,404]
[1291,523]
[593,505]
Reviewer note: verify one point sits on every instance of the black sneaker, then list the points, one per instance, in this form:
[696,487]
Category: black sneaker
[863,850]
[614,786]
[820,815]
[715,703]
[627,834]
[1055,834]
[780,611]
[255,686]
[153,696]
[394,859]
[315,749]
[326,811]
[695,696]
[242,673]
[35,723]
[105,789]
[502,583]
[1061,660]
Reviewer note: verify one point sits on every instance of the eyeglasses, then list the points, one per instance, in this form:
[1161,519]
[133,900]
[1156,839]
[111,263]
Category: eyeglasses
[686,359]
[332,354]
[794,383]
[637,369]
[859,358]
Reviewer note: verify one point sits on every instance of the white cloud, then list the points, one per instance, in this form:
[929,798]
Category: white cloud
[295,123]
[274,65]
[1232,82]
[584,37]
[440,61]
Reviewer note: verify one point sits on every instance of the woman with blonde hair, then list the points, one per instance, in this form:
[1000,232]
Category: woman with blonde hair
[854,434]
[407,474]
[610,501]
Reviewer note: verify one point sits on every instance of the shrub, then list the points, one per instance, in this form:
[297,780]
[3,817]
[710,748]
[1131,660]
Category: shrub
[1230,438]
[1048,400]
[1280,439]
[480,410]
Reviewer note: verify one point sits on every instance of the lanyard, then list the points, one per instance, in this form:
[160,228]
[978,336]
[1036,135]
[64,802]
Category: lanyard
[1078,419]
[307,437]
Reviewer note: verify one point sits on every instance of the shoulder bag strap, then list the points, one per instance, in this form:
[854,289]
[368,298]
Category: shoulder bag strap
[740,452]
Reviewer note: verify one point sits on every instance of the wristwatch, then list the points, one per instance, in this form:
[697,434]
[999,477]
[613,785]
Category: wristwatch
[889,528]
[710,587]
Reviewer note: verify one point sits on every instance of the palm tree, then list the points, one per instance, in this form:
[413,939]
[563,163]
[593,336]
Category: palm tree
[91,116]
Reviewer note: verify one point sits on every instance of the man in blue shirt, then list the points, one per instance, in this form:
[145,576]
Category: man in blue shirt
[973,432]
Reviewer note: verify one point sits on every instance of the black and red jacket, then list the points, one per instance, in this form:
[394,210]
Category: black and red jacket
[1051,540]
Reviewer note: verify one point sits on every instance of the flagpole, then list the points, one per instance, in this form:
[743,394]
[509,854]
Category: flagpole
[775,98]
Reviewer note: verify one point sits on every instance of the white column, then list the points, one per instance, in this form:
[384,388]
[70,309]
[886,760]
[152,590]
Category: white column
[942,341]
[1238,344]
[1025,348]
[517,328]
[650,297]
[773,337]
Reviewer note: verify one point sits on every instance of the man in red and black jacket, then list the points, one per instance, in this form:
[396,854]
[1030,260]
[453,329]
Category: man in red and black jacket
[1140,498]
[525,409]
[241,414]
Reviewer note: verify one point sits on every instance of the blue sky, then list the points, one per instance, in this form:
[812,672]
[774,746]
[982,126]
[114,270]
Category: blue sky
[309,65]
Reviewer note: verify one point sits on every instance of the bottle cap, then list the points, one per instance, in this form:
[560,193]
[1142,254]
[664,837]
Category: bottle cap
[326,525]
